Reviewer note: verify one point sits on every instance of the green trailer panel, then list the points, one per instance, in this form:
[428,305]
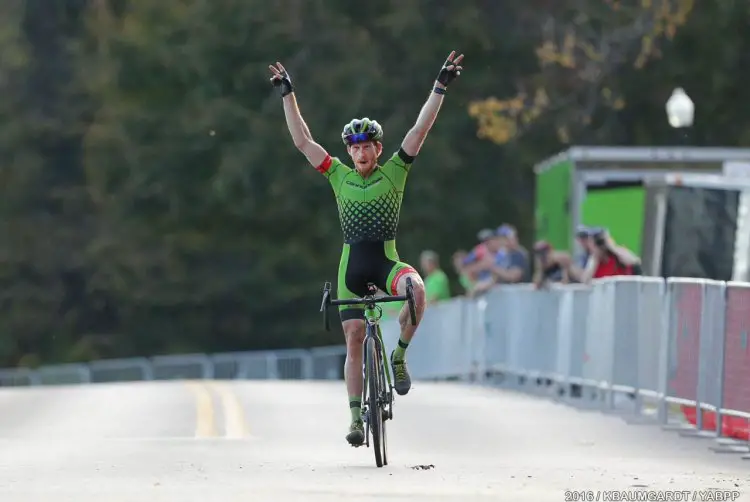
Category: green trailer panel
[553,222]
[618,209]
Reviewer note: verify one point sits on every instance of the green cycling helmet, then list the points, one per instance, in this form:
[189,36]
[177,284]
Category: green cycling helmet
[359,130]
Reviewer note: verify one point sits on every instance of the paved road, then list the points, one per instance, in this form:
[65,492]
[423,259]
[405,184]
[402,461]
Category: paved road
[283,441]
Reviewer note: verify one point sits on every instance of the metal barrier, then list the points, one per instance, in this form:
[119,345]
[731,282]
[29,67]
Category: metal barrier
[320,363]
[673,352]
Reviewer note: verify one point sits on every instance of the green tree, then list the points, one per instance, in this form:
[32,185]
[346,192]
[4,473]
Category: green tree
[210,222]
[584,46]
[152,200]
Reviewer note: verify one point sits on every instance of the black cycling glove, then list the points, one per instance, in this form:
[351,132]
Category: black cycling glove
[447,76]
[284,83]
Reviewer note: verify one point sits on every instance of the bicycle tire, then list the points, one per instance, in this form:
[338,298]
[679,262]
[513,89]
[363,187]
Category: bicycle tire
[375,415]
[383,411]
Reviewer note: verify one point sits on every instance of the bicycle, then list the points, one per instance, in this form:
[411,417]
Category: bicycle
[377,385]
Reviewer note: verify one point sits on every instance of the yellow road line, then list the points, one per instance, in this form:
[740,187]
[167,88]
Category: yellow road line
[205,424]
[234,415]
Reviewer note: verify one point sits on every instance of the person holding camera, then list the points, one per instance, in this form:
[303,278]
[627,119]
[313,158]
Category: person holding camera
[607,259]
[550,265]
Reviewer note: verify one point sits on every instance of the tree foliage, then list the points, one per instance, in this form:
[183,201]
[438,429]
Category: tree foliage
[583,47]
[152,200]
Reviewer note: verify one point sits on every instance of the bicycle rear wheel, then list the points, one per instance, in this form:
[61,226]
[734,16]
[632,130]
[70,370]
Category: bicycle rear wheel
[375,414]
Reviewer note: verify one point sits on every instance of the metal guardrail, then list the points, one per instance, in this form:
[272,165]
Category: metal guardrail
[319,363]
[673,353]
[649,349]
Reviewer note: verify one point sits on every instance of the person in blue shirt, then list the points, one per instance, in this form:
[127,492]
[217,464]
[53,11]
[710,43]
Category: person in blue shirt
[507,262]
[478,262]
[513,262]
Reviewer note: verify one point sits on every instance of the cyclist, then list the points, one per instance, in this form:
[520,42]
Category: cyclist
[369,201]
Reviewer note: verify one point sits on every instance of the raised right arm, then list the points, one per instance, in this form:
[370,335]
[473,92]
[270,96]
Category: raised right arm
[301,136]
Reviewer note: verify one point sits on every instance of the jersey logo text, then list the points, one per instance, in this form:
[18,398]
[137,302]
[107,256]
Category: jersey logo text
[366,184]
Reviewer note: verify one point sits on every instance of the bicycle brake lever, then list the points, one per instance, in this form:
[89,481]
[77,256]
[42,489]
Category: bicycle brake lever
[411,301]
[323,304]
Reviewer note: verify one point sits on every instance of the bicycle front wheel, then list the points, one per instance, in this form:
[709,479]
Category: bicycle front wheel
[375,414]
[383,407]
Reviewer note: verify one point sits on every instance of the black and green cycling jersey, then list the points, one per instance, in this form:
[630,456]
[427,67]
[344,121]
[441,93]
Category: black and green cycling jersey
[369,210]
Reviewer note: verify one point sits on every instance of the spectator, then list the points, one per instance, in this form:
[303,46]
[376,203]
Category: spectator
[480,250]
[549,265]
[436,284]
[478,263]
[578,265]
[458,265]
[510,264]
[607,259]
[583,235]
[513,264]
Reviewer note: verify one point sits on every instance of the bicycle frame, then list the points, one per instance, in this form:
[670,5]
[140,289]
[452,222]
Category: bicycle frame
[372,319]
[380,401]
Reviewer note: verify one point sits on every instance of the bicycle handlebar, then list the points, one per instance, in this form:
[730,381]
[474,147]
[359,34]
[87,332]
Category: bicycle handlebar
[369,300]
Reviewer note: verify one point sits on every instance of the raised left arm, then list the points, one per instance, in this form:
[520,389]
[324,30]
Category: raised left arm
[415,137]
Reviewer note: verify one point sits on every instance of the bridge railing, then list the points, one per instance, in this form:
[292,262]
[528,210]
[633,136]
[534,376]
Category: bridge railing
[670,352]
[319,363]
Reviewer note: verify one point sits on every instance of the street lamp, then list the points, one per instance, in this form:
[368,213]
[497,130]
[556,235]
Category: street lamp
[680,109]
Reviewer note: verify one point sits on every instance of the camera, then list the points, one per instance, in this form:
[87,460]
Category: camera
[600,238]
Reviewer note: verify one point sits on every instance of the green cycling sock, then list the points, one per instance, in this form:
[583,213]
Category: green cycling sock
[355,407]
[400,353]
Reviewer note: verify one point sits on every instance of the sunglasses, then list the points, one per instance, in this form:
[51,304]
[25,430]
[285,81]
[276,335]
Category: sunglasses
[358,138]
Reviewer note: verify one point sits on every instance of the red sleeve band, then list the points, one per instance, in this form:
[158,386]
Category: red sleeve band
[325,165]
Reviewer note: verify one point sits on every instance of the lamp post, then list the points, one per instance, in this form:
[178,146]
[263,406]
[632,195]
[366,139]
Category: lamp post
[680,109]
